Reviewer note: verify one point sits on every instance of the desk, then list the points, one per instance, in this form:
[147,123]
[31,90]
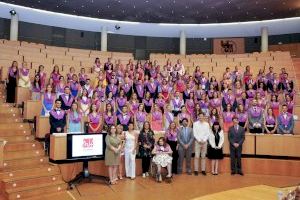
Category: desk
[22,95]
[278,145]
[58,146]
[42,127]
[32,109]
[248,146]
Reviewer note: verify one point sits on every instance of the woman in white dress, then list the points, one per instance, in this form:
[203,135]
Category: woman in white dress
[169,117]
[84,103]
[24,79]
[130,151]
[162,158]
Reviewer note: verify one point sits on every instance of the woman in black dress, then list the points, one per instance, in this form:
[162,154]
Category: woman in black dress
[146,143]
[215,147]
[12,82]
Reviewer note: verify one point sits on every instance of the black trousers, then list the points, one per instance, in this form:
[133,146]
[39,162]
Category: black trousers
[146,164]
[236,159]
[173,145]
[256,130]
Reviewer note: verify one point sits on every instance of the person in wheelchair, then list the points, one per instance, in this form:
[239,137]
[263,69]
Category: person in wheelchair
[162,158]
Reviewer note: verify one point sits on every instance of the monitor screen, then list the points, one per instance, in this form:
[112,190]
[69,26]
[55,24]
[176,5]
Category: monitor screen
[85,145]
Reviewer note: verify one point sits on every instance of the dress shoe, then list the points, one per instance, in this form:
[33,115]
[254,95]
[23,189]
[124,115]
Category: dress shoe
[203,173]
[189,173]
[241,173]
[233,173]
[196,173]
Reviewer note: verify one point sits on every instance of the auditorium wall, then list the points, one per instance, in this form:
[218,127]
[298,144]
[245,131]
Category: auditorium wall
[139,45]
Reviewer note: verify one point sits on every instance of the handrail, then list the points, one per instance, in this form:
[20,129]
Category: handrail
[2,145]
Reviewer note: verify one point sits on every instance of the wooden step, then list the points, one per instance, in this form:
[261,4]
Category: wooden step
[7,109]
[14,126]
[19,184]
[14,175]
[23,146]
[64,195]
[36,190]
[15,132]
[10,119]
[26,163]
[12,155]
[13,139]
[4,115]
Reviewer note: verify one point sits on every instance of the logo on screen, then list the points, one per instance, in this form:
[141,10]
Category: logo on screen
[88,143]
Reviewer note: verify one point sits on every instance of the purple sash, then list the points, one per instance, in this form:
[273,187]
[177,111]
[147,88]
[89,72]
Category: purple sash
[169,117]
[141,116]
[94,119]
[75,119]
[256,113]
[24,71]
[85,102]
[160,102]
[275,105]
[286,121]
[148,102]
[242,116]
[67,102]
[140,90]
[47,99]
[112,88]
[227,116]
[214,103]
[124,120]
[177,104]
[12,73]
[59,88]
[171,135]
[270,120]
[152,87]
[203,104]
[157,115]
[56,115]
[121,101]
[109,119]
[126,87]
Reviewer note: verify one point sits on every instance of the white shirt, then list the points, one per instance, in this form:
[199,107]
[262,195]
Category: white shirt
[201,131]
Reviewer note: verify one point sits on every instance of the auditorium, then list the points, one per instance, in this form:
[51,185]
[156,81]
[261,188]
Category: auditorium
[149,99]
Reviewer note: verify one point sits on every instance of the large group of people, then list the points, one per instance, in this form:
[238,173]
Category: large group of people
[135,101]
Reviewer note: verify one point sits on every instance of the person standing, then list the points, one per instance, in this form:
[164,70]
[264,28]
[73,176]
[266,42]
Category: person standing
[66,99]
[75,120]
[285,121]
[146,143]
[130,151]
[201,130]
[236,137]
[215,147]
[12,82]
[185,139]
[57,118]
[171,139]
[112,154]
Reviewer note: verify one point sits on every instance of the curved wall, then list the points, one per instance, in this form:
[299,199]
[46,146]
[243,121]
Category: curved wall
[243,29]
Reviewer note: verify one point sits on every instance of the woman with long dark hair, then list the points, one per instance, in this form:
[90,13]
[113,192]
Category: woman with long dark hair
[215,147]
[146,142]
[11,82]
[171,139]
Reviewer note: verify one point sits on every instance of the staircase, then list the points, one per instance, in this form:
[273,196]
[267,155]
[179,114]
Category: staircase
[26,173]
[296,62]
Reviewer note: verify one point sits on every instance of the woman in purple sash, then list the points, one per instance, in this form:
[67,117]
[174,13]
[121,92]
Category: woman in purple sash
[109,116]
[95,120]
[171,139]
[168,117]
[82,77]
[11,82]
[270,122]
[228,118]
[74,86]
[261,90]
[190,104]
[213,81]
[43,76]
[152,88]
[75,120]
[160,102]
[70,74]
[121,101]
[124,118]
[210,92]
[127,88]
[204,104]
[24,79]
[36,88]
[290,103]
[215,102]
[250,92]
[274,105]
[156,117]
[97,66]
[242,116]
[261,102]
[60,87]
[95,100]
[139,89]
[148,102]
[47,101]
[55,76]
[214,116]
[238,91]
[111,100]
[140,117]
[133,104]
[84,103]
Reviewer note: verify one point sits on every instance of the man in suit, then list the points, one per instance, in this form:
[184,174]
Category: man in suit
[57,118]
[66,99]
[285,121]
[185,140]
[236,137]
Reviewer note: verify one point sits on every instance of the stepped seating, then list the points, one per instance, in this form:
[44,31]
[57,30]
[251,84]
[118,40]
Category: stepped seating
[25,172]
